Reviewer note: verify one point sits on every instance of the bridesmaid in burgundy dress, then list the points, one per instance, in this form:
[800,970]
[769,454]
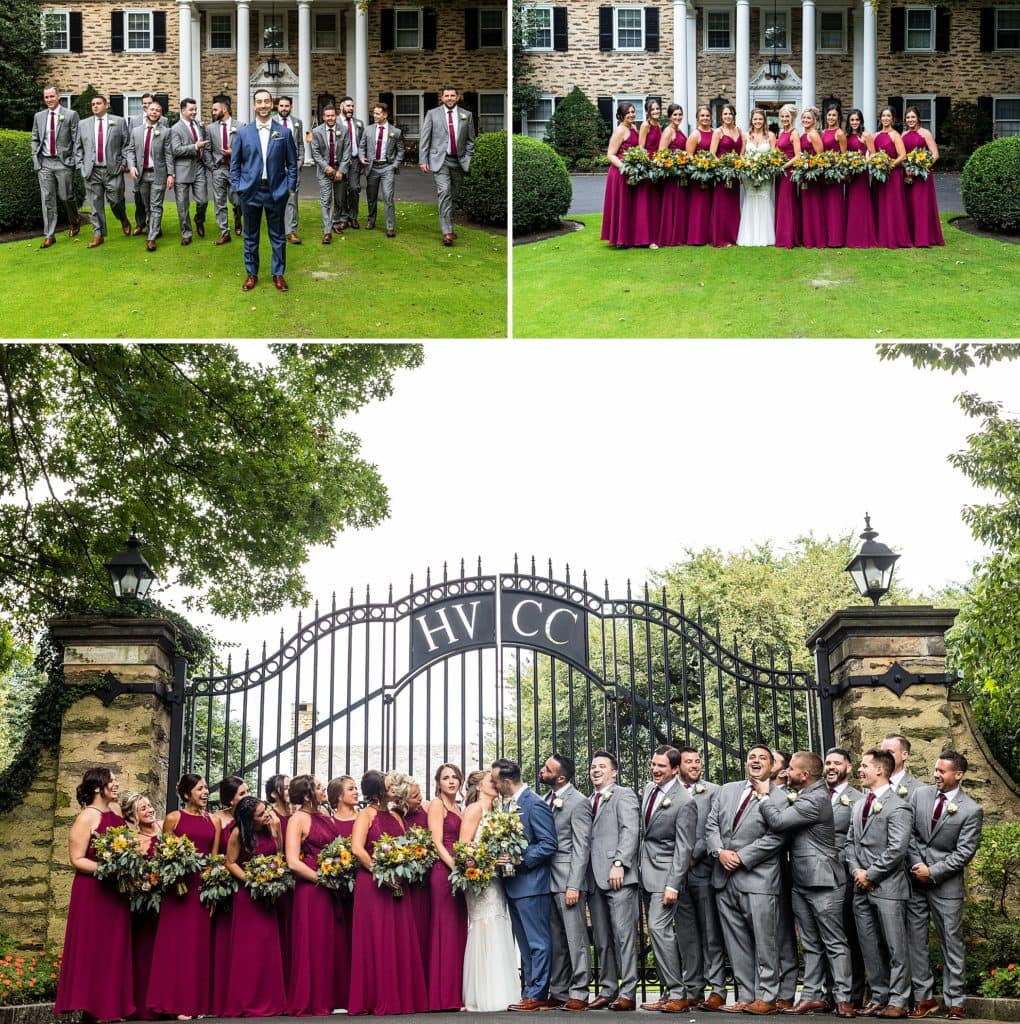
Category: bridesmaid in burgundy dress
[787,202]
[648,201]
[812,211]
[726,139]
[318,960]
[254,972]
[276,799]
[343,798]
[890,203]
[406,794]
[699,202]
[860,211]
[833,200]
[98,919]
[232,790]
[141,815]
[449,912]
[922,204]
[619,224]
[180,983]
[673,219]
[386,969]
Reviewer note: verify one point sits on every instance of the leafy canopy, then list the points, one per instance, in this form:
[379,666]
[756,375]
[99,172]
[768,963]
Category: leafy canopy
[20,47]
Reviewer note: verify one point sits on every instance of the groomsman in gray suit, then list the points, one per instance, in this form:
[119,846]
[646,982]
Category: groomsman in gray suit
[222,131]
[54,134]
[670,828]
[382,152]
[141,203]
[568,872]
[331,154]
[190,146]
[151,167]
[101,153]
[818,879]
[947,833]
[613,884]
[788,965]
[748,885]
[284,105]
[901,780]
[355,129]
[880,828]
[445,147]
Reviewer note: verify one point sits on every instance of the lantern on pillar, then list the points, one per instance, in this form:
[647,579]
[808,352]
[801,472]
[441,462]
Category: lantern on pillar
[775,71]
[130,574]
[272,37]
[871,568]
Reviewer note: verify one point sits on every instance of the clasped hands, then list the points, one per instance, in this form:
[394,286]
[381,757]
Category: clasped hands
[862,881]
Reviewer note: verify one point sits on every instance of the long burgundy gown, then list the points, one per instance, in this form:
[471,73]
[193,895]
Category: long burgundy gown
[890,203]
[98,933]
[449,929]
[922,204]
[421,903]
[285,904]
[812,209]
[787,203]
[673,218]
[833,199]
[343,912]
[316,955]
[648,200]
[143,941]
[181,981]
[383,936]
[254,964]
[221,931]
[620,225]
[725,221]
[699,202]
[860,210]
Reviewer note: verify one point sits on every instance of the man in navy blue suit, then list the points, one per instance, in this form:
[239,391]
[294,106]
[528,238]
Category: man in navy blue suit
[527,889]
[263,173]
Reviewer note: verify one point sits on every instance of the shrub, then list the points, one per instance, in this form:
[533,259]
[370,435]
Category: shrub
[1001,983]
[542,189]
[576,129]
[20,201]
[593,164]
[482,194]
[28,979]
[966,128]
[83,101]
[991,185]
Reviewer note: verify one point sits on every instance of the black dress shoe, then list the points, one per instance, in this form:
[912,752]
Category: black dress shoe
[200,230]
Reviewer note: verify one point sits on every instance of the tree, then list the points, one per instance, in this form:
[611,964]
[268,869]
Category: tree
[232,471]
[20,46]
[526,94]
[576,129]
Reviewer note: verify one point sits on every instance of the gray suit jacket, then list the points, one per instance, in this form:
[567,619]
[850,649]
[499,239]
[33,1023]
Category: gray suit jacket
[759,848]
[807,821]
[880,847]
[841,811]
[116,143]
[159,150]
[214,133]
[569,866]
[393,151]
[67,136]
[668,842]
[614,836]
[435,138]
[702,861]
[298,131]
[320,149]
[139,119]
[188,159]
[951,846]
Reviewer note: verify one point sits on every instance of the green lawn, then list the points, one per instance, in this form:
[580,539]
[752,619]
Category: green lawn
[365,286]
[576,286]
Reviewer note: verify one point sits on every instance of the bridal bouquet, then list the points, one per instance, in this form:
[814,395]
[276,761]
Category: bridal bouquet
[760,168]
[267,877]
[880,166]
[119,858]
[338,866]
[502,832]
[420,853]
[474,867]
[918,164]
[703,168]
[174,859]
[637,165]
[806,168]
[218,884]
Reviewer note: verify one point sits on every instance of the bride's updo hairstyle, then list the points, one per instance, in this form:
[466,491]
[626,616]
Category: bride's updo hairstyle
[94,781]
[373,788]
[399,784]
[472,791]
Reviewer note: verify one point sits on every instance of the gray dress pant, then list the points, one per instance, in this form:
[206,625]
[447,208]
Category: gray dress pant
[663,940]
[888,975]
[701,941]
[184,192]
[151,188]
[447,179]
[223,198]
[947,915]
[614,920]
[102,188]
[330,199]
[380,177]
[819,916]
[749,930]
[56,183]
[570,970]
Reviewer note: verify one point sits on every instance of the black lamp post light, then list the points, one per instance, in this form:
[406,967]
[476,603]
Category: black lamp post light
[130,574]
[872,567]
[272,37]
[775,71]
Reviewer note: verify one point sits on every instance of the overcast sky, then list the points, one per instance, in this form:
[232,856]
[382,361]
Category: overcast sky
[616,456]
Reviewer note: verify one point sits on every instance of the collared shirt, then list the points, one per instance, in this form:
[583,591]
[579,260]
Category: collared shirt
[148,132]
[895,780]
[950,797]
[264,130]
[879,793]
[52,122]
[603,791]
[838,791]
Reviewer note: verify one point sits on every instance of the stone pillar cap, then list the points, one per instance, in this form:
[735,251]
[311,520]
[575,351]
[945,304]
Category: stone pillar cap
[886,620]
[109,629]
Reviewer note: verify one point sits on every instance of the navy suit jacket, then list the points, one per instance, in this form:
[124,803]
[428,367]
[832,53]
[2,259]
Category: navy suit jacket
[532,876]
[246,162]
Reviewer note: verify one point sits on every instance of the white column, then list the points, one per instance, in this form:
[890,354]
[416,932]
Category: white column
[242,110]
[742,95]
[304,74]
[680,53]
[807,73]
[186,53]
[692,67]
[361,99]
[351,78]
[858,55]
[869,88]
[196,58]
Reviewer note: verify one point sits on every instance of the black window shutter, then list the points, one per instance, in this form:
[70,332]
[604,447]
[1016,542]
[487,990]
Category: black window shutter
[942,105]
[387,28]
[605,28]
[941,30]
[163,99]
[987,29]
[74,23]
[985,103]
[470,28]
[605,105]
[897,29]
[896,102]
[469,101]
[560,29]
[70,102]
[652,29]
[117,31]
[159,31]
[117,103]
[387,98]
[430,25]
[430,100]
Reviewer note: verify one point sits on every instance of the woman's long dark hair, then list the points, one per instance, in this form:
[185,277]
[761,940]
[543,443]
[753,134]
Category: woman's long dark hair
[373,788]
[94,781]
[244,822]
[860,116]
[228,790]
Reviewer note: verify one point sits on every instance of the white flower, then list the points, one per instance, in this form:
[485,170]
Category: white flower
[274,135]
[952,809]
[606,797]
[463,117]
[792,797]
[901,790]
[876,808]
[845,800]
[699,787]
[558,803]
[667,802]
[60,117]
[156,133]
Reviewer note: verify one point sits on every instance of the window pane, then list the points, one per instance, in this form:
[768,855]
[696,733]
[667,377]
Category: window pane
[220,35]
[1007,30]
[1007,116]
[408,114]
[272,35]
[138,31]
[490,27]
[628,24]
[540,29]
[407,29]
[133,106]
[830,30]
[55,28]
[718,30]
[490,112]
[775,30]
[919,30]
[325,32]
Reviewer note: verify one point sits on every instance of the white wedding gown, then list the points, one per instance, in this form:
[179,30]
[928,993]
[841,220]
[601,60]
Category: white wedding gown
[757,217]
[491,962]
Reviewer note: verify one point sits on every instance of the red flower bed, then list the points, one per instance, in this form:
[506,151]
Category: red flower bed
[28,979]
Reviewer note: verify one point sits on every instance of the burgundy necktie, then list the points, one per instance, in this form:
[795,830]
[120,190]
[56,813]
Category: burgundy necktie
[742,808]
[194,133]
[651,805]
[225,143]
[595,808]
[53,133]
[378,143]
[100,147]
[146,163]
[937,813]
[832,792]
[453,134]
[332,149]
[869,800]
[350,131]
[552,795]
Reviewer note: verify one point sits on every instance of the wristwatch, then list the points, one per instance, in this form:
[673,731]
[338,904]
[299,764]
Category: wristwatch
[617,863]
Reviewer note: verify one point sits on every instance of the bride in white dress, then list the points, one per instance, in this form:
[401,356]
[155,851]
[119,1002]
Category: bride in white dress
[757,217]
[491,961]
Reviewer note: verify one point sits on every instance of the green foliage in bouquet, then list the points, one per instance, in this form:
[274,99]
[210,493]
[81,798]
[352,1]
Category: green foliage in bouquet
[338,867]
[119,858]
[267,877]
[175,859]
[218,884]
[474,867]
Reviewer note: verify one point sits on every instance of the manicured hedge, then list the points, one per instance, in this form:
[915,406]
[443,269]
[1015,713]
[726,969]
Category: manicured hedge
[542,189]
[990,188]
[20,201]
[482,195]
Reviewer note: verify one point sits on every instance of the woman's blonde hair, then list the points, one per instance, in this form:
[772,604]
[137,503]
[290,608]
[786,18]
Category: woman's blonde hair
[128,804]
[788,108]
[400,783]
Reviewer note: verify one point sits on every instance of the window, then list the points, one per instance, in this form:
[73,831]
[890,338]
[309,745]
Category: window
[408,112]
[491,111]
[775,31]
[133,105]
[219,34]
[56,31]
[1007,30]
[718,34]
[628,28]
[535,124]
[832,31]
[920,29]
[65,99]
[272,28]
[138,31]
[326,32]
[490,27]
[540,28]
[925,108]
[407,28]
[1006,115]
[639,105]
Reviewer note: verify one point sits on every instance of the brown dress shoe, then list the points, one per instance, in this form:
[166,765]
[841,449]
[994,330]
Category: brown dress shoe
[845,1010]
[575,1004]
[892,1013]
[658,1004]
[760,1008]
[925,1008]
[200,230]
[552,1004]
[249,282]
[281,284]
[126,227]
[370,226]
[447,239]
[354,224]
[293,239]
[97,240]
[527,1005]
[47,242]
[679,1005]
[73,230]
[599,1003]
[137,230]
[622,1005]
[956,1013]
[714,1002]
[737,1007]
[390,233]
[223,239]
[151,246]
[805,1006]
[327,239]
[238,230]
[784,1004]
[186,241]
[872,1009]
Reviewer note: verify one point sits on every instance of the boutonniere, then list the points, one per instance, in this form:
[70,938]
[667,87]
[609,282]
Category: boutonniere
[667,803]
[792,797]
[606,797]
[901,790]
[463,117]
[558,804]
[60,117]
[876,808]
[232,130]
[845,800]
[952,809]
[274,135]
[156,133]
[699,788]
